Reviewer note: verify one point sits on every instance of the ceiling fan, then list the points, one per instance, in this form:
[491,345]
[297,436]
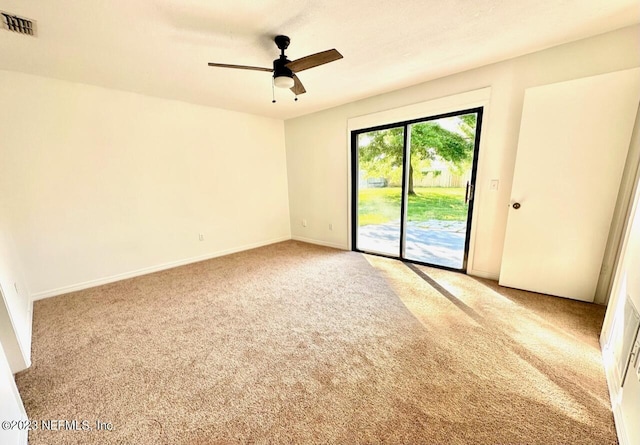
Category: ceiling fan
[284,70]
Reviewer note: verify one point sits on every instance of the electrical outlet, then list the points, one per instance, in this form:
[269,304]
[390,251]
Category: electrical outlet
[330,226]
[304,223]
[201,236]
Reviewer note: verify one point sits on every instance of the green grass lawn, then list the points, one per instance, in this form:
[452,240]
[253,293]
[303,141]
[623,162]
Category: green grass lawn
[381,205]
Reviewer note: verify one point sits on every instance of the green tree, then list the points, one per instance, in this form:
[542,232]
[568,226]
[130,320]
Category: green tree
[381,151]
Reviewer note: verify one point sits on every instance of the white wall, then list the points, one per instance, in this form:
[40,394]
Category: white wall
[318,151]
[102,184]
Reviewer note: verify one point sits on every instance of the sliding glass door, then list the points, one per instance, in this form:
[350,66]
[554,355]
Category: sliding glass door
[413,188]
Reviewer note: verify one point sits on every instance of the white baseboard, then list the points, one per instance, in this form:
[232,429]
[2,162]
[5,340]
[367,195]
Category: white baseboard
[482,274]
[151,269]
[320,243]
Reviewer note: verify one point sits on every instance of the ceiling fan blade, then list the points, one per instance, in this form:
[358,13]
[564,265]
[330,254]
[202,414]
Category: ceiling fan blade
[241,67]
[313,60]
[297,87]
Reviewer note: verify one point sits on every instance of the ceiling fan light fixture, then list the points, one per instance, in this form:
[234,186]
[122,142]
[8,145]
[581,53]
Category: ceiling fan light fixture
[283,81]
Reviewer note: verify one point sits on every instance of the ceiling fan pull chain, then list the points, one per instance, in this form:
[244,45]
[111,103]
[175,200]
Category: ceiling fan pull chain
[273,92]
[296,99]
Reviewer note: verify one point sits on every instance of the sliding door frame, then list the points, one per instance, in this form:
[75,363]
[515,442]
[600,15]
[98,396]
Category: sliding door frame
[479,111]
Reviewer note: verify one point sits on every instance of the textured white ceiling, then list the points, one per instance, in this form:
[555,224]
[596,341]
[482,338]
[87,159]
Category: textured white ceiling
[161,47]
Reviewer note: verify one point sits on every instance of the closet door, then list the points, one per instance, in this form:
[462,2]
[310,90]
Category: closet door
[574,138]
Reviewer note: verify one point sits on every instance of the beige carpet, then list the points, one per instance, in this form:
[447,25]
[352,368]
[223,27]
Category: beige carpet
[295,343]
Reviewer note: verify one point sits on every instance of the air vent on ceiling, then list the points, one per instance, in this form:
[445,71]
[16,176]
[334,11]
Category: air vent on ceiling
[17,24]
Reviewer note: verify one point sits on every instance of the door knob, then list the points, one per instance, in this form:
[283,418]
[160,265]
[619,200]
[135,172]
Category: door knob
[516,205]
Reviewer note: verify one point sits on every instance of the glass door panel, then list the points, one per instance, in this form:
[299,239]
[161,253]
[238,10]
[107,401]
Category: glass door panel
[439,188]
[379,186]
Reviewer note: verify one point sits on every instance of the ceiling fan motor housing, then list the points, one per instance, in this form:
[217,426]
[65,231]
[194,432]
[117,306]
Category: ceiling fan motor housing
[280,69]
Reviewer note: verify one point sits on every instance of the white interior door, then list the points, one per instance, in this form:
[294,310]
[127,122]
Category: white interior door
[574,138]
